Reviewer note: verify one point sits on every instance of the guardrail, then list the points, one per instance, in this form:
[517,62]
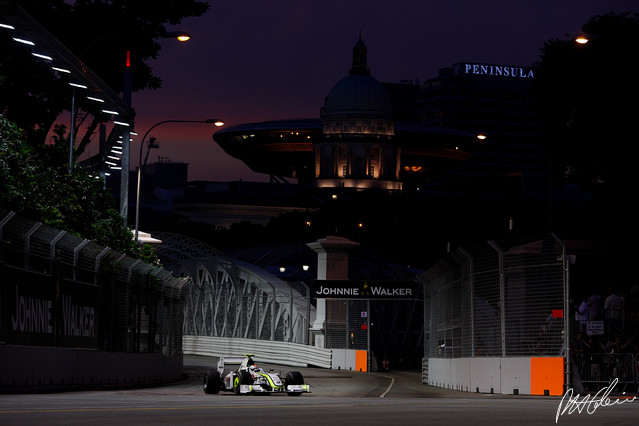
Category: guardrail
[284,353]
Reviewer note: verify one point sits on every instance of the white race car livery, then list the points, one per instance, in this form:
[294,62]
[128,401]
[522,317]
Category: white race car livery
[249,378]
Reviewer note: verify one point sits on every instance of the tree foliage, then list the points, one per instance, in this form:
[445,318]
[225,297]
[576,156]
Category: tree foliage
[76,202]
[588,94]
[34,178]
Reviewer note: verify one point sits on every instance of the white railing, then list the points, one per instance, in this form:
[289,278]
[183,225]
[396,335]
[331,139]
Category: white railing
[284,353]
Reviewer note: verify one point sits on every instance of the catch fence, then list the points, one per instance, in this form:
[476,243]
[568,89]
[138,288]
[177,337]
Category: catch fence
[61,290]
[497,298]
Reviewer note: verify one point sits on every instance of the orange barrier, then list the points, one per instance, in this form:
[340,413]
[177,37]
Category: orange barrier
[361,361]
[547,376]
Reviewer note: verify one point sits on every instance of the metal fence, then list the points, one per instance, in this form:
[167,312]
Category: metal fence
[63,290]
[497,298]
[597,370]
[347,324]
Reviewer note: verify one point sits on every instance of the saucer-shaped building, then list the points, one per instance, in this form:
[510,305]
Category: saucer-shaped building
[359,141]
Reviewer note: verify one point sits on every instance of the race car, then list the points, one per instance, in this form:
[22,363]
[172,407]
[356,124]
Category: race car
[249,378]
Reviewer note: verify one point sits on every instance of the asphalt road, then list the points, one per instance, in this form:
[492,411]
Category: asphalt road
[337,398]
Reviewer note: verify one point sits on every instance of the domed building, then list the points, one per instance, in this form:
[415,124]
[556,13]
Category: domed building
[357,149]
[362,140]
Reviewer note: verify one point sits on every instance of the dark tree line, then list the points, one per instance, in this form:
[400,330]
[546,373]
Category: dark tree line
[588,95]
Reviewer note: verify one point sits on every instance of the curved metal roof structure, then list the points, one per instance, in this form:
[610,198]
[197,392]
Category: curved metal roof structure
[233,298]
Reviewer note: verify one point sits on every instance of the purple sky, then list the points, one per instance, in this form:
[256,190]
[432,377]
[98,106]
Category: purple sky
[251,60]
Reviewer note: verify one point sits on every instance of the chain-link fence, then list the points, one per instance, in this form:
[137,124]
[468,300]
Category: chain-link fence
[497,298]
[61,290]
[347,324]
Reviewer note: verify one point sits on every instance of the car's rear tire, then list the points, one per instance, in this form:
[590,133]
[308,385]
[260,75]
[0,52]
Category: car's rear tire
[212,382]
[294,378]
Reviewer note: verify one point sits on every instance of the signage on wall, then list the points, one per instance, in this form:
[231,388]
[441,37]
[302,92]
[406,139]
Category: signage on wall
[50,311]
[365,289]
[469,68]
[595,328]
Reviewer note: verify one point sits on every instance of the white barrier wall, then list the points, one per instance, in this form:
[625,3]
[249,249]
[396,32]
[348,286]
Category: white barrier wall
[484,375]
[284,353]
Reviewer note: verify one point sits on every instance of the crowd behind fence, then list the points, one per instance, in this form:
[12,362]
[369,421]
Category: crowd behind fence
[61,290]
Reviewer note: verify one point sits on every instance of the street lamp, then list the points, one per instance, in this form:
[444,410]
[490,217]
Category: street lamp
[582,39]
[181,36]
[215,121]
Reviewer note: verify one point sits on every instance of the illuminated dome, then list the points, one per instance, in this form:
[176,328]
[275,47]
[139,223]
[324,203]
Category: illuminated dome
[358,149]
[358,94]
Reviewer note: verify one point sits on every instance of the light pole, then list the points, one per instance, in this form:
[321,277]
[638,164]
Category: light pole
[216,121]
[181,36]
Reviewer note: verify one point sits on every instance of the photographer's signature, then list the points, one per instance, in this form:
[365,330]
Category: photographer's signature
[589,403]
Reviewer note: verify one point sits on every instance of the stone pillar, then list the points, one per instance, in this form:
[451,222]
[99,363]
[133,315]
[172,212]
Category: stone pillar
[332,264]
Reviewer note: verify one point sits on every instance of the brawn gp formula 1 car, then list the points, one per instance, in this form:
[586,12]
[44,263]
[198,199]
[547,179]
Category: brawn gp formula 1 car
[249,378]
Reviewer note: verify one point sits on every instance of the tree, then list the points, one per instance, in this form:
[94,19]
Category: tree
[33,97]
[76,202]
[588,95]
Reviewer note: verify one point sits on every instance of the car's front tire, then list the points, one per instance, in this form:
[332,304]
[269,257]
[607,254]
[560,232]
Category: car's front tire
[294,378]
[241,378]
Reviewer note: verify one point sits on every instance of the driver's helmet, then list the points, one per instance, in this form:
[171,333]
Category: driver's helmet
[253,367]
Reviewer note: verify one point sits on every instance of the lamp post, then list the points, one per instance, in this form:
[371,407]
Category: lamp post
[216,121]
[181,36]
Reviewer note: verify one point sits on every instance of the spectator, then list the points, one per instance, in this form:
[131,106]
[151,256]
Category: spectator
[615,346]
[630,346]
[595,308]
[582,315]
[580,348]
[612,309]
[595,359]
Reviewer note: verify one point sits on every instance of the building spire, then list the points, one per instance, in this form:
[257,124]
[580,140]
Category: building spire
[359,57]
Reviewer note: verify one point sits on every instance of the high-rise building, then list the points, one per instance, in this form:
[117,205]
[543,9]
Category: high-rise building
[495,101]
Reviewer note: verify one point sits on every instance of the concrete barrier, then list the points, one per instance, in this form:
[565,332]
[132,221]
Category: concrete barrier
[513,375]
[36,368]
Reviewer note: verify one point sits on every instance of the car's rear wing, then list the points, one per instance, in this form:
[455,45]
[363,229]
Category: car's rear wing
[233,360]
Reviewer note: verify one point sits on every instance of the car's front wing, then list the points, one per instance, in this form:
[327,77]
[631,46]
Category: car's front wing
[255,388]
